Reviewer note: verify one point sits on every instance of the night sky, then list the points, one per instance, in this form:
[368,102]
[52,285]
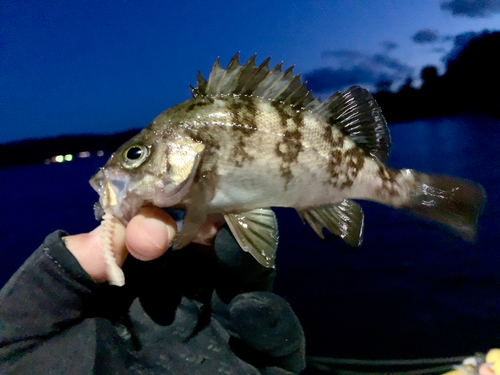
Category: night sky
[72,67]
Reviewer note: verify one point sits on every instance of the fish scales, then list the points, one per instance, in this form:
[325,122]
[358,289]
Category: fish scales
[288,156]
[253,138]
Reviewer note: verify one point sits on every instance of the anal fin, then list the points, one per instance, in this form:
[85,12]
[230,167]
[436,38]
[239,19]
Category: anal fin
[345,219]
[257,233]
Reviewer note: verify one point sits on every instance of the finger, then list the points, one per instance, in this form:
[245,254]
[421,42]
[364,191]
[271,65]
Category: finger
[87,249]
[149,234]
[485,370]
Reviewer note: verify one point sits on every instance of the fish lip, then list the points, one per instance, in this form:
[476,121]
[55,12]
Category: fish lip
[97,181]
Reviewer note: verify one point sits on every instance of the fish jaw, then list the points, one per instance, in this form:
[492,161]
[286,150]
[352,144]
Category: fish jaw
[118,191]
[113,193]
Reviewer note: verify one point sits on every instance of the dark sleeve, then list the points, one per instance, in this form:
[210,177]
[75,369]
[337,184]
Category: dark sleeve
[43,309]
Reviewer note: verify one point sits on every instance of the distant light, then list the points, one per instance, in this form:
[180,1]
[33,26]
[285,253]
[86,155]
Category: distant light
[84,154]
[47,161]
[68,157]
[59,158]
[100,153]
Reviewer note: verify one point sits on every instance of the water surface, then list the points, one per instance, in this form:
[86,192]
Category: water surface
[412,289]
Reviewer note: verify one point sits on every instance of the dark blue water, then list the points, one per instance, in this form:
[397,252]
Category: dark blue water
[412,290]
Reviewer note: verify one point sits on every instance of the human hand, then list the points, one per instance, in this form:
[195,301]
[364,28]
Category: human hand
[485,370]
[148,236]
[261,328]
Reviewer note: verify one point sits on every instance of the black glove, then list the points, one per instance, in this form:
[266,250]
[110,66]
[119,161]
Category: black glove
[201,300]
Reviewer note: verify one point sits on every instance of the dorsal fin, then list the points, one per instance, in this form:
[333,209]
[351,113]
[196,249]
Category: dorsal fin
[353,111]
[252,80]
[356,113]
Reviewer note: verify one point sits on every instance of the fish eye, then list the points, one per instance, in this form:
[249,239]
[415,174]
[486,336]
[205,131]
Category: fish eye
[134,156]
[134,153]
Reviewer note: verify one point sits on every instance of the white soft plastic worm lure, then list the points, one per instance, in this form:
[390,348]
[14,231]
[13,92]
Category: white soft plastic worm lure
[115,273]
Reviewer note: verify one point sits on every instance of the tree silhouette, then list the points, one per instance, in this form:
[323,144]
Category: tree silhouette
[383,85]
[474,75]
[471,84]
[407,86]
[429,76]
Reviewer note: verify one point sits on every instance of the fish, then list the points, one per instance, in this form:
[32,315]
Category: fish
[251,138]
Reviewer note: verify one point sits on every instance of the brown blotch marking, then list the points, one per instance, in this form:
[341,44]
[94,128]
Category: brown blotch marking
[284,117]
[346,164]
[387,174]
[203,134]
[198,103]
[388,177]
[334,162]
[291,141]
[209,99]
[336,141]
[243,112]
[240,155]
[354,159]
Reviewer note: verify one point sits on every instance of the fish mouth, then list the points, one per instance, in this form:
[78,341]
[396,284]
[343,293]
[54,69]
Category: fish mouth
[115,192]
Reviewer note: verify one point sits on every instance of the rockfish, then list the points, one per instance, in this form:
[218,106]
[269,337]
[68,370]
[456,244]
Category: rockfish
[251,138]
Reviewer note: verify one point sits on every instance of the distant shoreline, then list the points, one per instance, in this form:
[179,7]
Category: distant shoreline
[33,151]
[38,151]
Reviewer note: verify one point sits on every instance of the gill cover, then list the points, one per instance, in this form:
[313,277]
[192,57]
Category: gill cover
[183,158]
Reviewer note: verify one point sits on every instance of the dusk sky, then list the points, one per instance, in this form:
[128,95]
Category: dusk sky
[73,67]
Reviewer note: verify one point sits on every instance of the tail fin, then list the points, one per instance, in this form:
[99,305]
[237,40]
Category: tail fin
[450,201]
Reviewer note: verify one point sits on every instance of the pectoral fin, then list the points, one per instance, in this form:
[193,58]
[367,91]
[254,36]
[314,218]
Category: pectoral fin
[196,215]
[344,219]
[257,233]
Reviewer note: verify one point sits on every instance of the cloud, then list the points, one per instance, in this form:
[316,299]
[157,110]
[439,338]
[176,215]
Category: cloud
[425,36]
[439,50]
[389,46]
[328,79]
[385,61]
[342,54]
[354,67]
[471,8]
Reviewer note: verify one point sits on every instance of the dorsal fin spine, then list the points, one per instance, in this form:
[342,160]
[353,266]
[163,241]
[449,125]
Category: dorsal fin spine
[227,81]
[272,78]
[245,73]
[250,79]
[258,76]
[202,84]
[282,85]
[214,77]
[294,86]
